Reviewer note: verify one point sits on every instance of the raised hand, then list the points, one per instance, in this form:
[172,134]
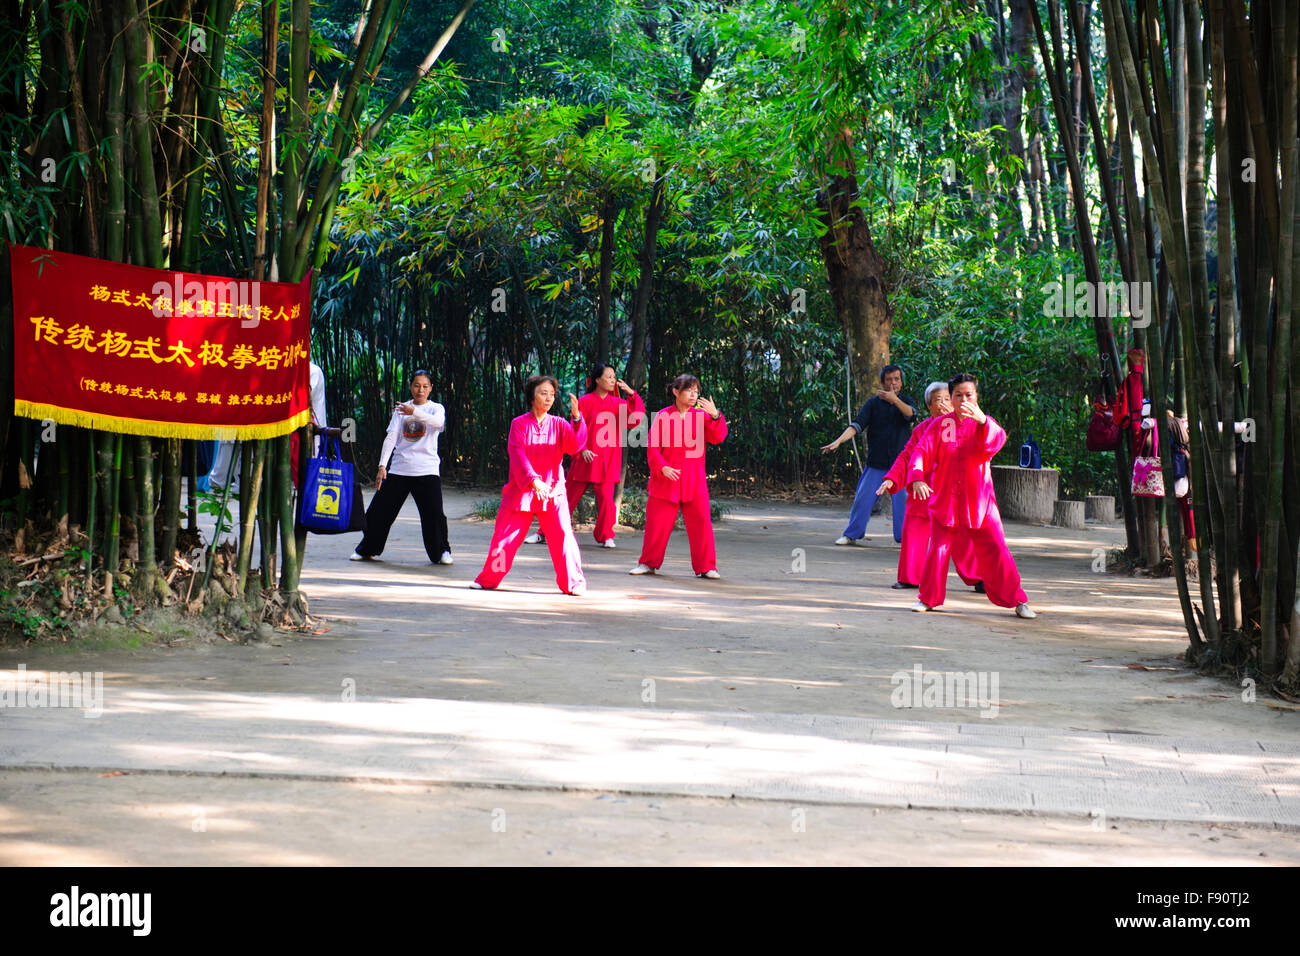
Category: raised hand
[706,405]
[623,386]
[573,406]
[970,410]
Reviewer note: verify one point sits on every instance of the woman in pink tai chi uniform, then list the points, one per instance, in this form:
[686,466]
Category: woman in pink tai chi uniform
[600,463]
[955,452]
[537,445]
[916,523]
[678,481]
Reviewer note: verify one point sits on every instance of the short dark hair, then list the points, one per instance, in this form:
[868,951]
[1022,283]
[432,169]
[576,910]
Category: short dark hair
[530,386]
[962,377]
[596,372]
[685,380]
[421,371]
[890,368]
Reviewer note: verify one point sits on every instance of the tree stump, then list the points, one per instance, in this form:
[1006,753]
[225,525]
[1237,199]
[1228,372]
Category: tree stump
[1026,494]
[1067,514]
[1099,508]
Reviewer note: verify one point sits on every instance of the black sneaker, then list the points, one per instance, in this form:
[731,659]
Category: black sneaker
[979,587]
[900,586]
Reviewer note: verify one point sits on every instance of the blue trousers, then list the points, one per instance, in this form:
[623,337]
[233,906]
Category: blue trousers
[865,497]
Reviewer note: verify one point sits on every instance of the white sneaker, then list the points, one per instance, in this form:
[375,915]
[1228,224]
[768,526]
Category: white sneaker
[1025,611]
[642,569]
[476,586]
[843,540]
[534,538]
[355,556]
[920,607]
[711,575]
[608,544]
[446,558]
[578,591]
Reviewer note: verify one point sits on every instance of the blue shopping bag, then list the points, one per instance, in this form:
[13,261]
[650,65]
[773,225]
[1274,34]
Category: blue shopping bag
[325,504]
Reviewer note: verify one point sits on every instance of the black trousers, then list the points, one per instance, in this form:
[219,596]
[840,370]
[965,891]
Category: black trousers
[386,505]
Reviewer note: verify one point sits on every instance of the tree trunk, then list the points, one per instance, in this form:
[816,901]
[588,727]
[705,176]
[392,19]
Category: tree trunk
[855,271]
[636,366]
[604,288]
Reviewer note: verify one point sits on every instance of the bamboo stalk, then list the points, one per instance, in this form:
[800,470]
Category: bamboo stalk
[93,481]
[113,539]
[217,25]
[136,38]
[171,503]
[1115,20]
[62,449]
[265,535]
[1203,442]
[248,517]
[1225,544]
[1102,326]
[289,569]
[293,172]
[25,466]
[144,523]
[298,235]
[1281,363]
[192,489]
[265,148]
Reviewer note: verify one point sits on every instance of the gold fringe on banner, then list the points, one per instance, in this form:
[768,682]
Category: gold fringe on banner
[154,429]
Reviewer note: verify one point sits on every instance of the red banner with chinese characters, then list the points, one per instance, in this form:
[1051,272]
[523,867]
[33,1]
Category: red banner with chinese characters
[153,352]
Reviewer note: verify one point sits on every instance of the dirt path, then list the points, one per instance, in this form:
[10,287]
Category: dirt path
[797,625]
[57,819]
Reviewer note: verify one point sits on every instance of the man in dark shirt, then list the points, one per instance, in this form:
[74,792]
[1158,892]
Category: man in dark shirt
[887,419]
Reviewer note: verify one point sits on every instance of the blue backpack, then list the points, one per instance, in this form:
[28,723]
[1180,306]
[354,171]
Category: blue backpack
[1031,456]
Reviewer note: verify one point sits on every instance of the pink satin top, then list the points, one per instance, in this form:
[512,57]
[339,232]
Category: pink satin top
[678,441]
[607,418]
[537,450]
[955,453]
[898,471]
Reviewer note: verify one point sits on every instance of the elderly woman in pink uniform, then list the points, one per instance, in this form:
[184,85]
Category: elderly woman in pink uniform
[955,453]
[537,445]
[678,482]
[916,523]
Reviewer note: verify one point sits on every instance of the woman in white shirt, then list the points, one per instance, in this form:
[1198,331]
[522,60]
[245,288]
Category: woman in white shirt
[412,441]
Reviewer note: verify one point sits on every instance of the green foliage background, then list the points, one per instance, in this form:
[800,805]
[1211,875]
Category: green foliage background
[488,191]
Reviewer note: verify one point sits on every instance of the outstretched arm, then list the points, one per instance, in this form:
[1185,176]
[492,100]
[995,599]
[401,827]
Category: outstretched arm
[923,455]
[898,470]
[390,440]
